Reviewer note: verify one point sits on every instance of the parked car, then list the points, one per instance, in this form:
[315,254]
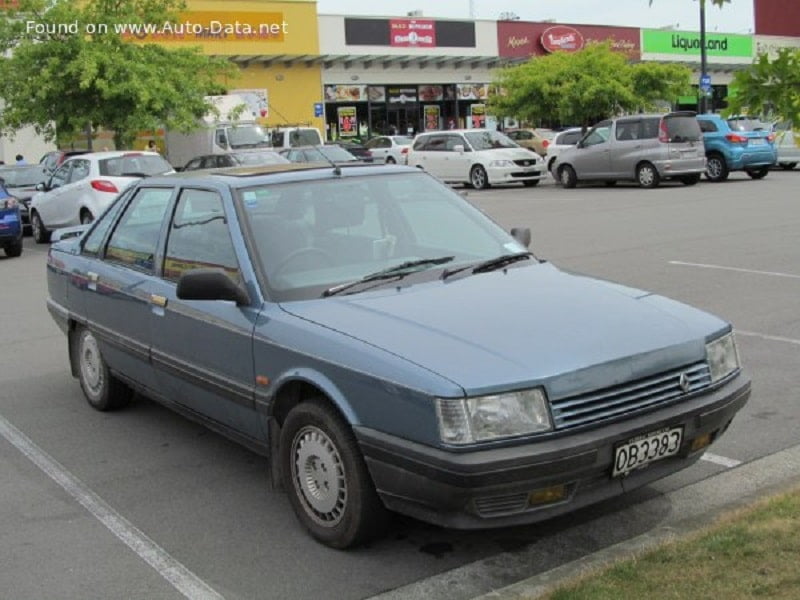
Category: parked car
[244,158]
[641,148]
[390,149]
[787,141]
[52,160]
[326,153]
[530,139]
[360,151]
[21,182]
[737,144]
[10,224]
[83,186]
[562,141]
[476,157]
[336,320]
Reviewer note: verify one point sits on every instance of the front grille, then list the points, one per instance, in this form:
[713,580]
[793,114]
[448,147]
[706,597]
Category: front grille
[528,162]
[525,174]
[628,397]
[495,506]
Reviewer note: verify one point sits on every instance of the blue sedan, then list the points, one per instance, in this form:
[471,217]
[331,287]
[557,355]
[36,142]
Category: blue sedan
[388,346]
[10,223]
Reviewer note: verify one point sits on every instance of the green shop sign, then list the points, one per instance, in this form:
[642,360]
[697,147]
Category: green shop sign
[658,41]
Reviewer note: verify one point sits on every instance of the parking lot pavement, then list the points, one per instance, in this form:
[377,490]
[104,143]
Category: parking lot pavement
[732,248]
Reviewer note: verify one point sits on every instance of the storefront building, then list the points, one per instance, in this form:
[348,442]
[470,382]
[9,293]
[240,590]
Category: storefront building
[520,40]
[404,75]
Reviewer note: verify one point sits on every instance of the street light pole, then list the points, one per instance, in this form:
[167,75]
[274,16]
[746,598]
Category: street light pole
[703,58]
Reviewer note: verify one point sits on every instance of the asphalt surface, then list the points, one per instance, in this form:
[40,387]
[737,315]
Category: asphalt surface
[75,484]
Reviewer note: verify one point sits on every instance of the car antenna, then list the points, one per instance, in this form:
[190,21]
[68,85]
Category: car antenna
[337,170]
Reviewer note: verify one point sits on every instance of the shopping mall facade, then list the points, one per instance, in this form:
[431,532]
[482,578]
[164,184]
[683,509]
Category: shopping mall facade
[357,76]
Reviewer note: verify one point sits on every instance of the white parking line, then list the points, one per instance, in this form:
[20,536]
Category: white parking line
[720,460]
[772,338]
[181,578]
[737,269]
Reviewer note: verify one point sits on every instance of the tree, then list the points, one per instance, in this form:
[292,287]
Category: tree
[583,87]
[769,86]
[68,69]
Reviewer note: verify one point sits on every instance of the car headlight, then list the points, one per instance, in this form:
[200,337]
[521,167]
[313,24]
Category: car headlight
[501,163]
[9,202]
[483,418]
[723,357]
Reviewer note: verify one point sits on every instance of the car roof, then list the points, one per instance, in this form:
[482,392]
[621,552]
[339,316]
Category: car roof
[241,177]
[113,154]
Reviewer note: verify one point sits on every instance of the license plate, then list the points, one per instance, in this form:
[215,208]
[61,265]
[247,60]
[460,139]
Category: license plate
[757,141]
[645,449]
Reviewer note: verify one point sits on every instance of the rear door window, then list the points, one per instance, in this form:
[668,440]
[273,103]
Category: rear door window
[135,239]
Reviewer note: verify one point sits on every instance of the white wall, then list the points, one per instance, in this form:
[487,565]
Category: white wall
[26,142]
[772,43]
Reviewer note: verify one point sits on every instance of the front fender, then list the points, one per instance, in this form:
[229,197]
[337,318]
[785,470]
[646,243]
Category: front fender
[318,380]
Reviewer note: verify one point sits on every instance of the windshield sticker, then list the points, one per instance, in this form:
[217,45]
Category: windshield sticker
[250,199]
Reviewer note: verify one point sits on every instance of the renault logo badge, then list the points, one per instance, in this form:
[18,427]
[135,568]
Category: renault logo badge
[684,383]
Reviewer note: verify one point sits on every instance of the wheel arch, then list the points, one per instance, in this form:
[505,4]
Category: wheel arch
[304,384]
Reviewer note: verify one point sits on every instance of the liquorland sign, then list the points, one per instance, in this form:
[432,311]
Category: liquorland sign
[685,45]
[519,39]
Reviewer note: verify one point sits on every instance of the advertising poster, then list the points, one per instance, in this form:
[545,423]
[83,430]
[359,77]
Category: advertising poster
[401,95]
[419,33]
[348,123]
[345,93]
[478,116]
[473,91]
[432,113]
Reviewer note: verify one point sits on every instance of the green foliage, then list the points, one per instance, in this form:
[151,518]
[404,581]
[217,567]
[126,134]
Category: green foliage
[719,3]
[63,81]
[771,86]
[584,87]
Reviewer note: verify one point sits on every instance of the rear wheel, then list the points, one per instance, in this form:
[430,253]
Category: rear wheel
[14,249]
[716,168]
[86,216]
[647,175]
[567,176]
[329,486]
[390,160]
[690,180]
[40,233]
[759,173]
[478,178]
[103,391]
[788,166]
[531,183]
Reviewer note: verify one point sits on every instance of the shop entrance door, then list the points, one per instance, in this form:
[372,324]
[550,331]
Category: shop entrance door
[403,118]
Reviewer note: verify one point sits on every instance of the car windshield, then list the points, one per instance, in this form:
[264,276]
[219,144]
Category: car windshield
[683,129]
[259,158]
[313,235]
[403,140]
[304,137]
[745,124]
[324,153]
[134,165]
[489,140]
[245,136]
[22,177]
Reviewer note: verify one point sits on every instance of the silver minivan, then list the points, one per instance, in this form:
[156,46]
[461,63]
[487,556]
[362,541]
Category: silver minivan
[641,148]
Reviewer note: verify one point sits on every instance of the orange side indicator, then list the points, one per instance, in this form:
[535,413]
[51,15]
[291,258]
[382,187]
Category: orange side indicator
[262,380]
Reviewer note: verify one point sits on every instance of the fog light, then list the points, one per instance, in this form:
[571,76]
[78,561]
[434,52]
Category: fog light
[547,495]
[701,442]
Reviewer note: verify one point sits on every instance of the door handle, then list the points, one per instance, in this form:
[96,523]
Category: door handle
[157,300]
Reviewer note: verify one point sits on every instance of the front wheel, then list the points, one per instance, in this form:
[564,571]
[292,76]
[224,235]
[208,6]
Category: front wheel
[40,233]
[647,175]
[478,178]
[567,176]
[329,486]
[759,173]
[103,391]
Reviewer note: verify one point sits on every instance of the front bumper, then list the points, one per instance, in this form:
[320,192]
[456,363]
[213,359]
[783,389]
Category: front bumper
[491,488]
[516,173]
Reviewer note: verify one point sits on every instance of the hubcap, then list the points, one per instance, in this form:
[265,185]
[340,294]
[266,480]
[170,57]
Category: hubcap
[91,364]
[646,176]
[319,476]
[478,178]
[36,225]
[565,176]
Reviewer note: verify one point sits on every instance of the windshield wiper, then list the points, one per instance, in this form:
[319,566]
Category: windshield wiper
[492,264]
[398,271]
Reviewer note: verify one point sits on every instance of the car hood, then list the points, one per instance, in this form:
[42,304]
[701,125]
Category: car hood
[531,325]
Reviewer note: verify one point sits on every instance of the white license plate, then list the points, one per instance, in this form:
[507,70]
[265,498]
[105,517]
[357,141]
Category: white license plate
[647,448]
[757,141]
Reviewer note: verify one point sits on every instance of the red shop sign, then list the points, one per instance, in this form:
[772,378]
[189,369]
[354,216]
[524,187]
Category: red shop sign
[415,33]
[563,38]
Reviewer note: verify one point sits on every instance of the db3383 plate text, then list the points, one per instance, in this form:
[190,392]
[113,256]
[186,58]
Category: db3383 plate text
[645,449]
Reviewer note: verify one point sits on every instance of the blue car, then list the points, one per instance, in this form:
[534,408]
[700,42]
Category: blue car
[10,224]
[737,144]
[387,345]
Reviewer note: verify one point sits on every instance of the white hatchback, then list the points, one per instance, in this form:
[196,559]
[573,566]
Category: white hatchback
[389,149]
[476,157]
[83,186]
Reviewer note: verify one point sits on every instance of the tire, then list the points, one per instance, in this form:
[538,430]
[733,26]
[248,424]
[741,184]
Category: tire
[319,454]
[551,164]
[690,180]
[103,391]
[716,168]
[390,161]
[86,216]
[531,183]
[478,178]
[759,173]
[788,166]
[647,176]
[40,233]
[567,177]
[14,249]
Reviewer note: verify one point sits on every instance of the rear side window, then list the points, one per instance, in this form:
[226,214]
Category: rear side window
[134,165]
[707,126]
[570,138]
[683,129]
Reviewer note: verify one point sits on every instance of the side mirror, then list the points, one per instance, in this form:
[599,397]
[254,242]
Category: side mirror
[459,148]
[210,284]
[522,235]
[41,187]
